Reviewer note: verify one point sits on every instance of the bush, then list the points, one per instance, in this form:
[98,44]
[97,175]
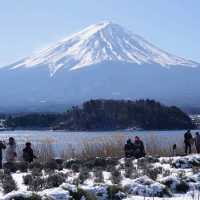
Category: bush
[68,163]
[116,176]
[182,187]
[8,184]
[32,197]
[82,194]
[36,165]
[10,166]
[84,175]
[27,179]
[98,176]
[22,166]
[115,193]
[37,184]
[54,180]
[51,165]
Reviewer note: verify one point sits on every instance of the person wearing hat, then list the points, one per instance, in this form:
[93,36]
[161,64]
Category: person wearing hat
[139,148]
[28,154]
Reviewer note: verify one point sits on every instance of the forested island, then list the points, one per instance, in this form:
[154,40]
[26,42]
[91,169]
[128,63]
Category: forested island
[107,115]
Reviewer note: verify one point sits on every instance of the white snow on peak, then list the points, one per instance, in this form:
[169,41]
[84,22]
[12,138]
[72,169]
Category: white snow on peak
[98,43]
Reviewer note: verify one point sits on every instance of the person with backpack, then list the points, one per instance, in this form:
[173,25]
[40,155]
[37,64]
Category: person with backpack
[139,150]
[28,154]
[2,147]
[11,153]
[188,140]
[197,142]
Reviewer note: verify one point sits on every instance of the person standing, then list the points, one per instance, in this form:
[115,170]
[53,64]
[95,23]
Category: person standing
[129,149]
[2,147]
[197,142]
[28,154]
[188,140]
[11,154]
[139,151]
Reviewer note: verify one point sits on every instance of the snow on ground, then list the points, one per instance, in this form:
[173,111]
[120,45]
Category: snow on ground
[147,178]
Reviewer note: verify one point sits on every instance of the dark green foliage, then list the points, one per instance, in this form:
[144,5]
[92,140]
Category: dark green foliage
[98,174]
[36,165]
[22,166]
[37,184]
[182,187]
[80,193]
[54,180]
[116,176]
[83,175]
[8,184]
[10,166]
[108,115]
[113,193]
[32,197]
[27,179]
[51,165]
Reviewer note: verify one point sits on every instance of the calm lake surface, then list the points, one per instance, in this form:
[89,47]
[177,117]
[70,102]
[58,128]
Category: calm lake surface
[61,140]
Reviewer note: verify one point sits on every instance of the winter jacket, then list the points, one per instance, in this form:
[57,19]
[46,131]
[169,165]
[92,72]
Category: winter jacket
[11,153]
[139,149]
[2,146]
[188,138]
[28,155]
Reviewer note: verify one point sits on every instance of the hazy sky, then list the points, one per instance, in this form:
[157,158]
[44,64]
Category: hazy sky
[28,25]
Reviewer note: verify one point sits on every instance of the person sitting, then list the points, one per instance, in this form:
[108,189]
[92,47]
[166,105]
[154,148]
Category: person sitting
[28,154]
[129,149]
[11,154]
[139,151]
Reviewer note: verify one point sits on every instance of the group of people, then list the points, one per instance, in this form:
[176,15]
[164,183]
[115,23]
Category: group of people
[11,153]
[189,141]
[134,149]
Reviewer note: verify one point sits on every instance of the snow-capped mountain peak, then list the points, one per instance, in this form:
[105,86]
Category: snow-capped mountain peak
[104,41]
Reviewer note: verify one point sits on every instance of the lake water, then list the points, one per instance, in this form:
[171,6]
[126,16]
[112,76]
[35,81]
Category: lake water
[75,139]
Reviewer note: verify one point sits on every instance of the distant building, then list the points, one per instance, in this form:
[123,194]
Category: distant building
[196,120]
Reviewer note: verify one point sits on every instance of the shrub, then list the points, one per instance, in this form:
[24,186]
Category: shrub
[22,166]
[32,197]
[36,172]
[54,180]
[115,192]
[37,184]
[75,167]
[182,187]
[51,165]
[68,163]
[8,184]
[83,175]
[98,176]
[27,179]
[10,167]
[82,194]
[36,165]
[116,176]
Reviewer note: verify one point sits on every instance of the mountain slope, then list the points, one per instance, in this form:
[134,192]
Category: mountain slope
[98,43]
[102,61]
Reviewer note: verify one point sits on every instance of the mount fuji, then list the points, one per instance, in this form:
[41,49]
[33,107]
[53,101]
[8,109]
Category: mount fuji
[102,61]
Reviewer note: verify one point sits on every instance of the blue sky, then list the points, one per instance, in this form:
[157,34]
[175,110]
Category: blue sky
[29,25]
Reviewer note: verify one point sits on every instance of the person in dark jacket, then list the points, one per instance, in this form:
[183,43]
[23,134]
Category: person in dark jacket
[129,149]
[197,142]
[139,151]
[188,140]
[2,147]
[28,154]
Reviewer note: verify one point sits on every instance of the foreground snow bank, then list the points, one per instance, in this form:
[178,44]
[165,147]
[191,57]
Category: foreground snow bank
[110,178]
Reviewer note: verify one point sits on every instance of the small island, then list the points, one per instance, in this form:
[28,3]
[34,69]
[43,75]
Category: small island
[100,114]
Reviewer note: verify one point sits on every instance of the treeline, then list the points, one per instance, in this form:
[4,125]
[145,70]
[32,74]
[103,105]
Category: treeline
[109,115]
[34,120]
[120,114]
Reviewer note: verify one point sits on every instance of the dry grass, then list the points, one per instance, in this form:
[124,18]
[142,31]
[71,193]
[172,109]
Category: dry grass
[112,146]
